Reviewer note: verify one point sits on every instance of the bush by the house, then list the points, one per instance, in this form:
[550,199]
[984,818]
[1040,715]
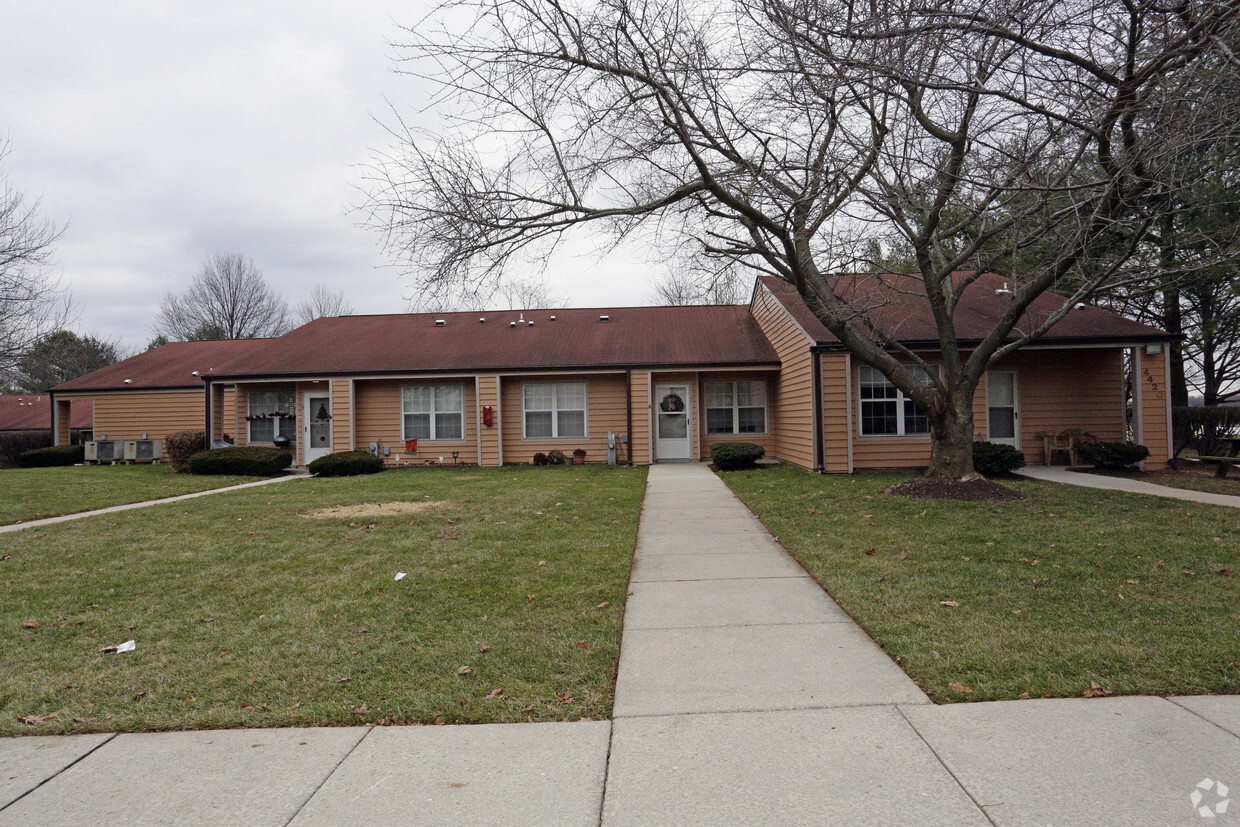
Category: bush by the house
[346,464]
[1204,427]
[49,457]
[179,446]
[248,461]
[735,456]
[556,457]
[540,458]
[1113,456]
[992,460]
[15,443]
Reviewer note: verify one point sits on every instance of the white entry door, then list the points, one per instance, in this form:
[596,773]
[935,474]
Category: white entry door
[1003,407]
[317,433]
[673,439]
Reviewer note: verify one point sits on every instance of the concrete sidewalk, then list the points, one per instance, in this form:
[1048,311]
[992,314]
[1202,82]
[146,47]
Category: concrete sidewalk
[1067,476]
[745,696]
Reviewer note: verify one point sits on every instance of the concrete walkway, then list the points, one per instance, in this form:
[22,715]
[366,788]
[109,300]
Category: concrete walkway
[82,515]
[1069,477]
[745,696]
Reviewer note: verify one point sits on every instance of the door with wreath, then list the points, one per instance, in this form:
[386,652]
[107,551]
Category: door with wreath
[673,439]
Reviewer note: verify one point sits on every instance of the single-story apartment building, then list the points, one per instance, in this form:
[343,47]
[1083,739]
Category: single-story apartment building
[663,383]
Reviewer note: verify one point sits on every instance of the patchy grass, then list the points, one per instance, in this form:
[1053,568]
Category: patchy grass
[34,493]
[1193,477]
[1071,587]
[246,613]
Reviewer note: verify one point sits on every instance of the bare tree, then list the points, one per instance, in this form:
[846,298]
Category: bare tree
[32,303]
[786,136]
[228,299]
[681,287]
[519,293]
[323,302]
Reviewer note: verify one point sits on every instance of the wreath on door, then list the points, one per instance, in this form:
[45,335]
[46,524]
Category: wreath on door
[672,403]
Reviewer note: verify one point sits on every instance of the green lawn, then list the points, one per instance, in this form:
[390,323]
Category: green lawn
[33,493]
[248,612]
[1137,594]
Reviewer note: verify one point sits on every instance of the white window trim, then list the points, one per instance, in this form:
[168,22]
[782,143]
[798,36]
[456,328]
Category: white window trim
[555,410]
[899,400]
[404,435]
[276,424]
[736,408]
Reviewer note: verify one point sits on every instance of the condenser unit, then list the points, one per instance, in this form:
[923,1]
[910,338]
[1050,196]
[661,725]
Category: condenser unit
[106,450]
[144,450]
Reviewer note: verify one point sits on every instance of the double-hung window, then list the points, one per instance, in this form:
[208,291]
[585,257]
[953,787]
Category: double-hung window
[885,411]
[269,413]
[554,410]
[433,411]
[736,407]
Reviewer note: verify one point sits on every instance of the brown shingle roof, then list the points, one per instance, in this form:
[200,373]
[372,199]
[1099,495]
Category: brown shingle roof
[168,367]
[33,412]
[576,339]
[900,308]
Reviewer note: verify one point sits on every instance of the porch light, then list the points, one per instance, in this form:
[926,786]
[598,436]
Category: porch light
[1154,349]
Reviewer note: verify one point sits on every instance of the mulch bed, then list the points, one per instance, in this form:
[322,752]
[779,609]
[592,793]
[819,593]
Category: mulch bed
[974,490]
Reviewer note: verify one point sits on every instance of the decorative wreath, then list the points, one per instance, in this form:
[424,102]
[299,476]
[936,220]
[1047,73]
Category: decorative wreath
[672,403]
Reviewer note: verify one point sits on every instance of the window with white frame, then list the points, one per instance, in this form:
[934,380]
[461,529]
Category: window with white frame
[271,413]
[736,407]
[433,411]
[554,410]
[884,409]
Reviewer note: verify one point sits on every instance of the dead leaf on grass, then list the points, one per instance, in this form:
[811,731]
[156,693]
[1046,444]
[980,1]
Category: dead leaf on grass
[959,688]
[30,624]
[495,693]
[952,603]
[464,670]
[602,605]
[1095,691]
[36,720]
[564,698]
[484,648]
[1134,582]
[902,555]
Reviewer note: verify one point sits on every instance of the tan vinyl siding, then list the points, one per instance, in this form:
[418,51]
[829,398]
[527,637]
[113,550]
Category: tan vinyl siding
[223,412]
[640,438]
[792,412]
[767,440]
[156,413]
[491,452]
[378,418]
[1154,378]
[835,412]
[342,415]
[605,411]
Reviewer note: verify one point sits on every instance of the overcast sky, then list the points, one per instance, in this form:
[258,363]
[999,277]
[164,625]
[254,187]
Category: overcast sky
[163,132]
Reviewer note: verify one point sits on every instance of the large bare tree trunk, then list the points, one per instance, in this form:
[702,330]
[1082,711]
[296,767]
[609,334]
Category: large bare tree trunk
[951,445]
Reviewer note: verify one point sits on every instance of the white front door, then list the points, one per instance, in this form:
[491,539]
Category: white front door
[673,439]
[1003,407]
[317,433]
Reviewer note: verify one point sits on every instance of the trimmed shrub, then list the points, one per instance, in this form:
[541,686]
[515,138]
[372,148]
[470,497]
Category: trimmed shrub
[556,458]
[15,443]
[1113,456]
[540,458]
[736,456]
[248,461]
[992,460]
[179,446]
[51,457]
[346,464]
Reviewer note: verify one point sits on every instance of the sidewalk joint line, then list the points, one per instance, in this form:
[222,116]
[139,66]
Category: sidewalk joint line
[62,770]
[329,775]
[1202,717]
[943,764]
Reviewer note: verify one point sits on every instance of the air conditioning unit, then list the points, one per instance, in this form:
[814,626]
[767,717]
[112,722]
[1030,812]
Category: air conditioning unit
[144,450]
[107,450]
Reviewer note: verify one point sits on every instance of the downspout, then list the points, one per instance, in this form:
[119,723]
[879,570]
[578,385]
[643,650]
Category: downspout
[628,411]
[816,395]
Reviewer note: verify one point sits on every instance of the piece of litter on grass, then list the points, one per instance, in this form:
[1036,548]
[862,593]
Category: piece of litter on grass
[400,575]
[127,646]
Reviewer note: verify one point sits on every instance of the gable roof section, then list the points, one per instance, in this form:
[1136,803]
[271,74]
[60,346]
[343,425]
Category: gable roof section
[168,367]
[33,412]
[899,307]
[577,339]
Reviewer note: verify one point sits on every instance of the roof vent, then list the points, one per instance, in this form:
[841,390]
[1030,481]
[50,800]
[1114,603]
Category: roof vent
[482,320]
[1081,305]
[128,381]
[512,324]
[441,322]
[194,373]
[553,318]
[522,319]
[604,318]
[531,322]
[1004,290]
